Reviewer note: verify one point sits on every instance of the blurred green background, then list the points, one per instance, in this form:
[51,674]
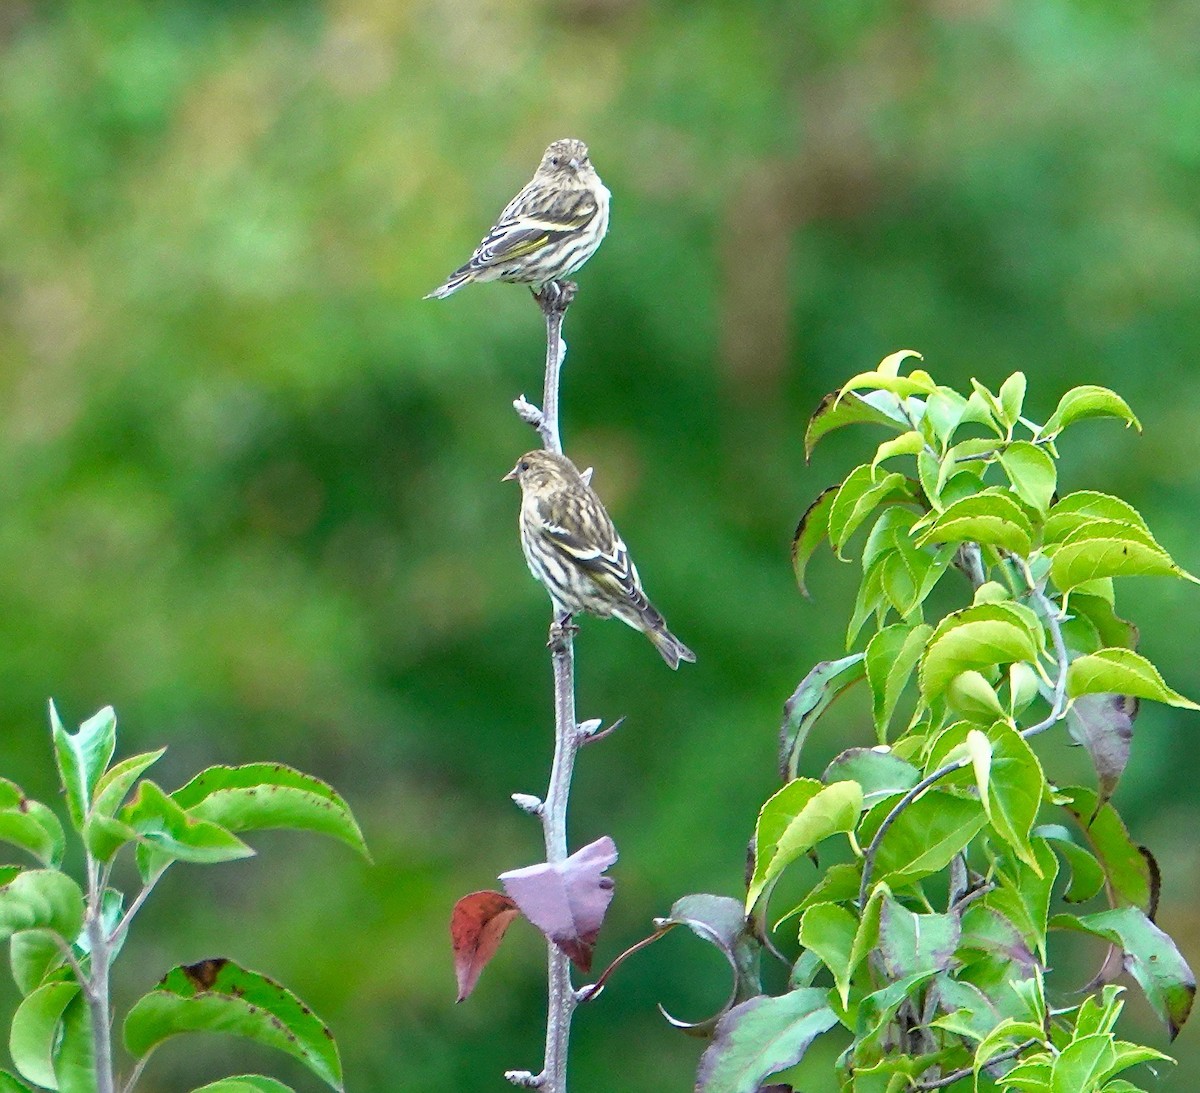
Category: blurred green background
[249,480]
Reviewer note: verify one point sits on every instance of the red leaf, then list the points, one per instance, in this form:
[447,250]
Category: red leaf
[567,901]
[477,925]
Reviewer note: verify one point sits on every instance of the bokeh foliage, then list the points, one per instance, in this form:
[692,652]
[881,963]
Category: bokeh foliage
[248,479]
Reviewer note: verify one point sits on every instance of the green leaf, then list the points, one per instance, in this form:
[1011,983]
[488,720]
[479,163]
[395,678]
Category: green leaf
[908,573]
[879,772]
[35,1028]
[1085,506]
[891,656]
[11,1084]
[857,497]
[74,1062]
[1084,402]
[870,598]
[245,1083]
[1122,672]
[1087,876]
[877,1012]
[1023,893]
[219,996]
[32,827]
[1007,1034]
[924,838]
[1124,865]
[1106,548]
[910,944]
[812,530]
[809,700]
[909,443]
[944,413]
[41,898]
[168,833]
[82,757]
[974,697]
[114,785]
[761,1037]
[269,795]
[1083,1064]
[34,954]
[976,637]
[1012,398]
[795,820]
[1031,472]
[884,378]
[992,518]
[1150,957]
[838,409]
[1015,791]
[829,930]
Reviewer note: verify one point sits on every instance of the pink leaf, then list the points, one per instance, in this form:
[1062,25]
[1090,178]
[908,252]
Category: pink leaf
[477,925]
[567,901]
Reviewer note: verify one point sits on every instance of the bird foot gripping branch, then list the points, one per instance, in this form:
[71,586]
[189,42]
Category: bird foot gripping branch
[554,297]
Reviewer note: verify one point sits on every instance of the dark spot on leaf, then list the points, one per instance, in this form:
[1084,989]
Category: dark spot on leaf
[205,972]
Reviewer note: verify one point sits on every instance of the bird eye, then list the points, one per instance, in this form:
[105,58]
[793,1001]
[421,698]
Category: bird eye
[554,161]
[523,465]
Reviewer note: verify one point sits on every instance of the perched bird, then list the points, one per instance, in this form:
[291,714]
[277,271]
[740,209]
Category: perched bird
[572,547]
[547,231]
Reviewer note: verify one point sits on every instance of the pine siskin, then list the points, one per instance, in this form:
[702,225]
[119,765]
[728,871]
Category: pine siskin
[572,547]
[547,231]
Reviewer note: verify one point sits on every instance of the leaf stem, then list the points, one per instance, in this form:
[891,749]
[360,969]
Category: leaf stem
[96,989]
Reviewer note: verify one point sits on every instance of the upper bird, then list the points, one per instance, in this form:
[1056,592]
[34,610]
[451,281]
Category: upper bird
[572,547]
[547,231]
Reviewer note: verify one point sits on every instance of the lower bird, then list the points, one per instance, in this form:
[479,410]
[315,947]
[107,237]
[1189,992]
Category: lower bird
[572,547]
[547,231]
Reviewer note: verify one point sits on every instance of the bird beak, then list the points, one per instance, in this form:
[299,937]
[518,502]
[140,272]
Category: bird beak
[511,476]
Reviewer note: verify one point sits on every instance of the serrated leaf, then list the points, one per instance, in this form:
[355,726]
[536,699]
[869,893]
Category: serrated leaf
[1012,398]
[974,638]
[761,1037]
[1031,472]
[1150,957]
[837,410]
[1084,507]
[909,443]
[974,697]
[879,772]
[1125,867]
[245,1083]
[812,530]
[1014,791]
[1121,554]
[891,656]
[41,899]
[808,701]
[924,838]
[857,497]
[796,819]
[1121,671]
[35,1029]
[219,996]
[269,795]
[992,518]
[1085,402]
[82,757]
[167,833]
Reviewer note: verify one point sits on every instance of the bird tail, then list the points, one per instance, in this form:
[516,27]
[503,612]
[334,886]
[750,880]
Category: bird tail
[454,282]
[672,649]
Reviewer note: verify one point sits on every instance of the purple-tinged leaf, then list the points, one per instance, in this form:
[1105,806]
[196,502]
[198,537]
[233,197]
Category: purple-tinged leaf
[910,943]
[810,532]
[817,690]
[1128,872]
[567,900]
[477,926]
[1103,724]
[761,1037]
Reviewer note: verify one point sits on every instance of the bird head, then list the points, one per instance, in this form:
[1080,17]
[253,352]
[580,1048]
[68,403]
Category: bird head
[540,470]
[566,158]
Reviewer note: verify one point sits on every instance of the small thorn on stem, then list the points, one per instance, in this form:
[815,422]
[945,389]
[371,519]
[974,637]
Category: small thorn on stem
[528,803]
[590,737]
[524,1079]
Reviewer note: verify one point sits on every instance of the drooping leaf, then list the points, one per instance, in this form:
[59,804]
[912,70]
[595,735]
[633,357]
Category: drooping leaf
[567,900]
[836,410]
[1032,473]
[1084,402]
[33,828]
[859,495]
[721,921]
[1121,671]
[35,1030]
[41,898]
[891,656]
[269,795]
[795,820]
[1087,876]
[809,700]
[477,926]
[761,1037]
[1103,724]
[829,930]
[909,443]
[219,996]
[82,757]
[74,1059]
[1151,957]
[1015,790]
[812,530]
[1126,868]
[34,954]
[1022,893]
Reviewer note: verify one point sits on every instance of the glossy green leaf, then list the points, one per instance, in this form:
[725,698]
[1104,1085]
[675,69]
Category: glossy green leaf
[909,443]
[1015,790]
[944,413]
[1121,671]
[82,757]
[808,701]
[838,409]
[829,930]
[976,637]
[114,785]
[269,795]
[1032,473]
[219,996]
[1151,957]
[1087,506]
[880,772]
[33,828]
[1023,891]
[857,497]
[1085,402]
[168,833]
[1012,398]
[925,837]
[35,1030]
[891,656]
[795,820]
[41,898]
[812,530]
[1106,548]
[74,1062]
[34,954]
[992,518]
[974,697]
[761,1037]
[913,943]
[1007,1034]
[1083,1064]
[245,1083]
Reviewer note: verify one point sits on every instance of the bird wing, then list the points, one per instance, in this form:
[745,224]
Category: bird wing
[602,553]
[531,220]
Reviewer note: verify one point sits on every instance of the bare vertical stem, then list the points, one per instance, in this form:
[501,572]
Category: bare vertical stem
[554,299]
[96,990]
